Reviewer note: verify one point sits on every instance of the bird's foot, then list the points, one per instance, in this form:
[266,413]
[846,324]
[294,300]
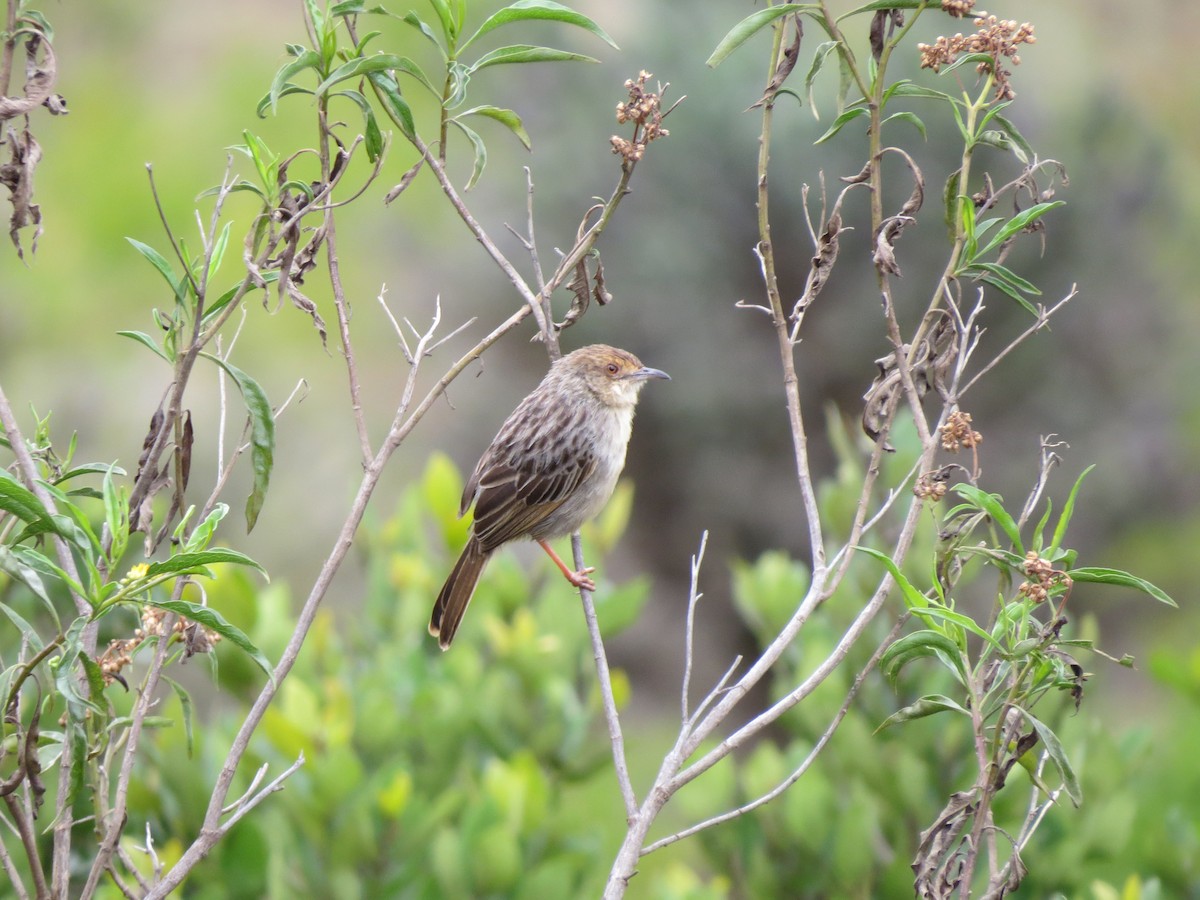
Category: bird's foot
[580,579]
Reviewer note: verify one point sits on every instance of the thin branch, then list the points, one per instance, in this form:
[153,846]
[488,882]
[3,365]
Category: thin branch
[611,716]
[799,771]
[1043,318]
[694,596]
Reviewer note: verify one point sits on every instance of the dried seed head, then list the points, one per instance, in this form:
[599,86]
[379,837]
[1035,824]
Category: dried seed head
[957,434]
[995,37]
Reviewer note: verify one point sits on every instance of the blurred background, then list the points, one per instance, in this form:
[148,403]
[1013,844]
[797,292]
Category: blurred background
[1107,91]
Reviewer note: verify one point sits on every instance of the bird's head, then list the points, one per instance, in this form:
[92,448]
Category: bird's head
[614,376]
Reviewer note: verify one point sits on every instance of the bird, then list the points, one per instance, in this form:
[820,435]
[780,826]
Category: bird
[551,467]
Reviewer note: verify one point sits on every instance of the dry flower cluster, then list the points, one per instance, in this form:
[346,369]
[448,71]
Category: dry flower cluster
[119,652]
[996,37]
[644,109]
[1043,576]
[960,9]
[957,433]
[931,485]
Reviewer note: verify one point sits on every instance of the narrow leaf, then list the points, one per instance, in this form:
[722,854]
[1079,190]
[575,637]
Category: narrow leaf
[526,10]
[855,112]
[1007,275]
[262,436]
[412,19]
[196,563]
[1058,756]
[480,152]
[913,598]
[1099,575]
[822,52]
[365,65]
[922,644]
[213,620]
[394,105]
[928,705]
[505,117]
[906,116]
[747,28]
[1005,288]
[146,341]
[1060,530]
[994,507]
[527,53]
[306,60]
[185,704]
[1021,221]
[157,260]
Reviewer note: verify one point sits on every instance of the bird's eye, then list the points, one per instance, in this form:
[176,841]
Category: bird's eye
[613,368]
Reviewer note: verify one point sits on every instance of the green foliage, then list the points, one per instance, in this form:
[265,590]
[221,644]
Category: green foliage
[484,771]
[59,585]
[847,827]
[333,65]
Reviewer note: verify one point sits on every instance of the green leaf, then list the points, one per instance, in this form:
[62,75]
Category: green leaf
[1021,147]
[197,563]
[929,705]
[225,299]
[921,644]
[1058,756]
[913,598]
[526,53]
[218,251]
[966,623]
[527,10]
[185,705]
[214,621]
[1005,288]
[480,152]
[876,5]
[449,26]
[31,568]
[202,535]
[365,65]
[1100,575]
[906,88]
[855,112]
[346,8]
[1021,221]
[28,632]
[505,117]
[157,260]
[262,436]
[1060,530]
[412,19]
[1007,275]
[394,105]
[147,341]
[116,517]
[992,505]
[905,116]
[819,56]
[309,59]
[19,501]
[748,27]
[265,105]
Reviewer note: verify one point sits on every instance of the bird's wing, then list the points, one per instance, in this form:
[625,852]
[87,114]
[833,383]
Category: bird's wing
[527,473]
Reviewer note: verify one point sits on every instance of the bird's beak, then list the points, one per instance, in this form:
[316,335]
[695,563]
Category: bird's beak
[646,372]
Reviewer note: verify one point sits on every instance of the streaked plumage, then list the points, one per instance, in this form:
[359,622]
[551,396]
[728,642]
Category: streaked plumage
[551,467]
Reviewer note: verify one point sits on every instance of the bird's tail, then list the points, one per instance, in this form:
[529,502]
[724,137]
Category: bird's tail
[456,593]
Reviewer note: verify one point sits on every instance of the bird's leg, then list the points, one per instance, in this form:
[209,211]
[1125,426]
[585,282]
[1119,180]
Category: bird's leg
[578,579]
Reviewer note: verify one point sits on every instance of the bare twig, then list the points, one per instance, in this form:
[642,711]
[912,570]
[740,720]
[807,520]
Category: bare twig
[611,717]
[694,596]
[804,765]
